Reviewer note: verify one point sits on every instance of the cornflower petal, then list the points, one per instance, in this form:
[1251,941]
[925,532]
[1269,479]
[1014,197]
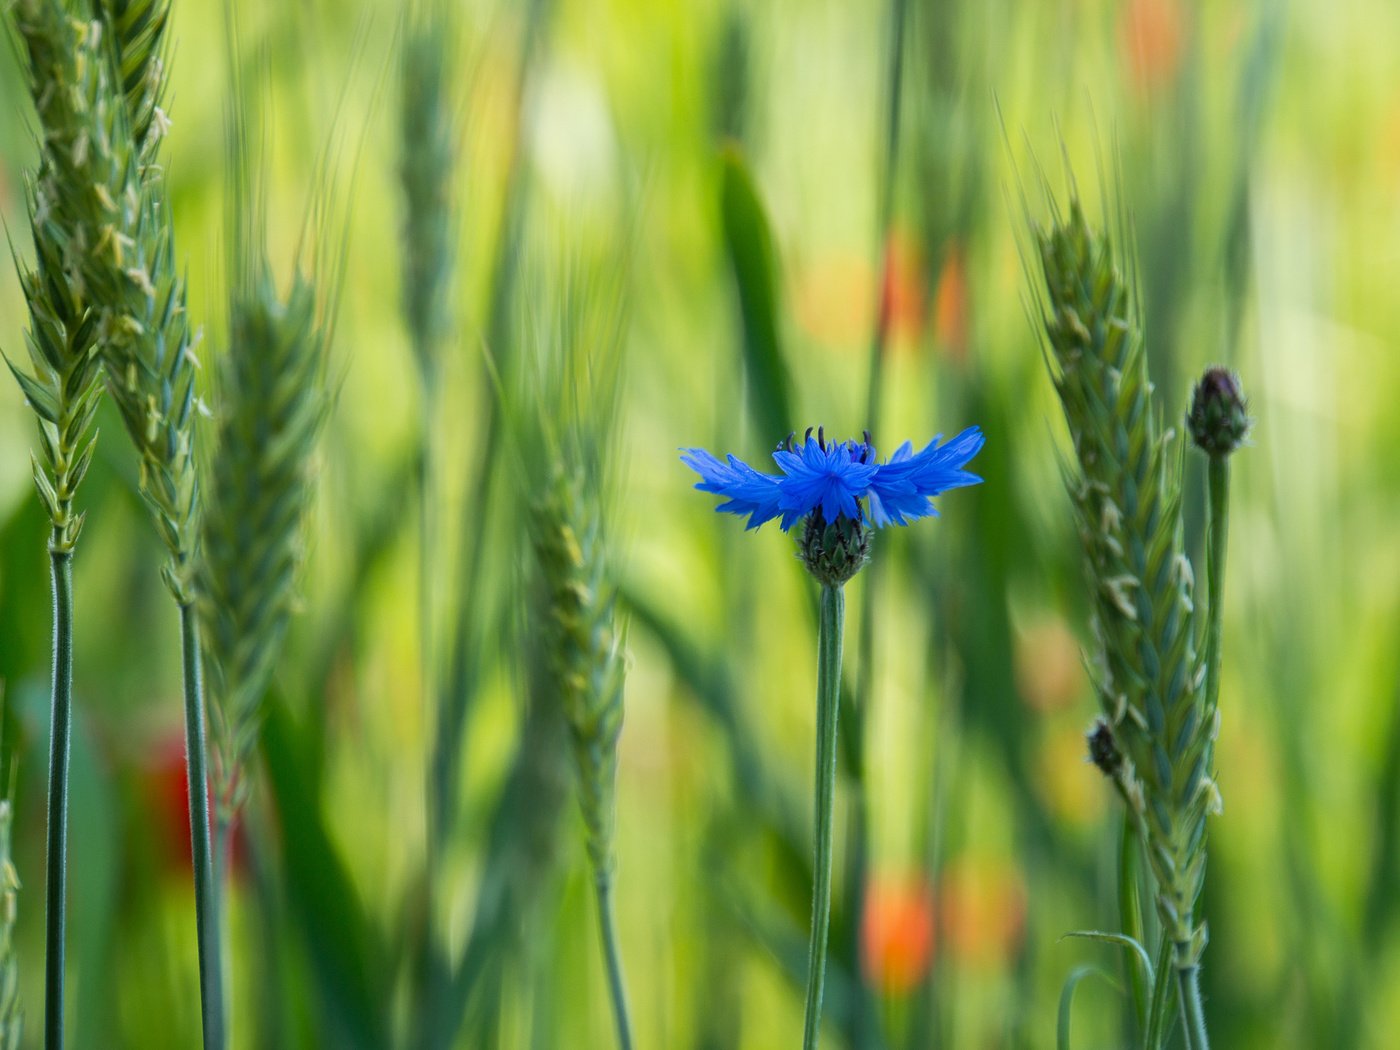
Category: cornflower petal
[746,491]
[831,478]
[826,479]
[901,491]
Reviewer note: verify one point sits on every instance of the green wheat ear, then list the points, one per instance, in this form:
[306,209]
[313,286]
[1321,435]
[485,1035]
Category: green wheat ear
[67,81]
[1125,483]
[567,435]
[428,131]
[272,403]
[129,266]
[585,647]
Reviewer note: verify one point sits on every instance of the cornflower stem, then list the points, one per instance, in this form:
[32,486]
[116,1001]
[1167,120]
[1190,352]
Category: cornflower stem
[206,888]
[1218,526]
[612,956]
[833,616]
[60,738]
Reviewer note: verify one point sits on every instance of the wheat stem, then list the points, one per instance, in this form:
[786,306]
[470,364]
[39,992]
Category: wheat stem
[1130,912]
[833,615]
[1218,527]
[617,989]
[206,889]
[60,738]
[1160,1010]
[1193,1018]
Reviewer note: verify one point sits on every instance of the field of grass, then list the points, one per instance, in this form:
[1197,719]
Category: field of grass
[679,225]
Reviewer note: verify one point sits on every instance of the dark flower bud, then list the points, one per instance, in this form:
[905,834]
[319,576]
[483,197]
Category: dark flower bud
[834,551]
[1218,419]
[1103,749]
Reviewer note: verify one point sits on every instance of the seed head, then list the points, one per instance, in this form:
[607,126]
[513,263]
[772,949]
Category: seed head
[1219,417]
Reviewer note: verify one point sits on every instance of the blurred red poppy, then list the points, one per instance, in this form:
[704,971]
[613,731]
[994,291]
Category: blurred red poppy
[166,792]
[897,933]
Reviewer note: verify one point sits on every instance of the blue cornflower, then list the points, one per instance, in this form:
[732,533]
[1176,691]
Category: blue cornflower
[833,478]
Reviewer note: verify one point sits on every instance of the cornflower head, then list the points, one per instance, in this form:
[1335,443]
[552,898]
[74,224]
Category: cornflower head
[839,491]
[1156,737]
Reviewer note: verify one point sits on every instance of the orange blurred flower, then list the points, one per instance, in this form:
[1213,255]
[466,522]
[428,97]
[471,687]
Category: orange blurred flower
[951,303]
[897,933]
[1150,39]
[902,297]
[981,910]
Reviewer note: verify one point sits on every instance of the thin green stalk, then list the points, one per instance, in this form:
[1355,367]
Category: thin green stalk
[1217,528]
[607,927]
[206,889]
[833,615]
[1193,1017]
[1218,481]
[1160,1011]
[60,740]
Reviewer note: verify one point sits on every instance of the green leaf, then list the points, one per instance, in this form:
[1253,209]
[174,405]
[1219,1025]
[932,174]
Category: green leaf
[337,934]
[1123,941]
[1067,1000]
[46,493]
[39,397]
[749,242]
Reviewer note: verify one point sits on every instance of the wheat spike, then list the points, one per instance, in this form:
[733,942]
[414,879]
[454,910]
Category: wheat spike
[272,403]
[121,241]
[427,167]
[586,662]
[66,78]
[1126,488]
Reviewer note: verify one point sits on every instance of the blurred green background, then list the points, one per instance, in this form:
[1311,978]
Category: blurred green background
[1256,146]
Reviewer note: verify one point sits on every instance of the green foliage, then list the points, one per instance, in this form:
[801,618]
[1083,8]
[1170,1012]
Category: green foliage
[11,1015]
[748,239]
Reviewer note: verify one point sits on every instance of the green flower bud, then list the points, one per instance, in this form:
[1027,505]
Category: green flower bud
[834,551]
[1218,420]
